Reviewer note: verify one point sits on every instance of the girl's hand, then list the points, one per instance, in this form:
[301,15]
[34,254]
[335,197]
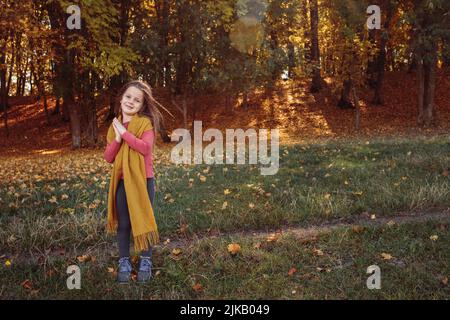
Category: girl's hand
[118,137]
[118,126]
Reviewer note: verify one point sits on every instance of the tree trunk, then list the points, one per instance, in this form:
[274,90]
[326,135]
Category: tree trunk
[315,52]
[345,100]
[291,59]
[11,67]
[427,86]
[162,11]
[3,93]
[57,106]
[357,110]
[381,59]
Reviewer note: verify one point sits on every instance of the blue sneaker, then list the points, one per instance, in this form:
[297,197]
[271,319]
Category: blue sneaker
[145,269]
[124,270]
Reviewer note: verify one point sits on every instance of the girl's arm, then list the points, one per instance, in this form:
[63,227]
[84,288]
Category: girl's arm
[111,151]
[143,145]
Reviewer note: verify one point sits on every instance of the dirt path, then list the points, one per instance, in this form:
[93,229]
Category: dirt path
[364,220]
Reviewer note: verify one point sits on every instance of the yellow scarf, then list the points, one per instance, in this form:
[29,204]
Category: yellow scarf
[131,164]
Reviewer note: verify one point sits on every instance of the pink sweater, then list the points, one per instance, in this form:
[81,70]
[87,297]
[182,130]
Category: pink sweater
[144,146]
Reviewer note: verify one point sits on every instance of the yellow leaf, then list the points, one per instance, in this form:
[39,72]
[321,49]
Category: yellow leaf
[7,263]
[224,205]
[391,223]
[234,248]
[176,251]
[318,252]
[251,205]
[273,237]
[226,191]
[52,200]
[434,237]
[386,256]
[83,258]
[202,178]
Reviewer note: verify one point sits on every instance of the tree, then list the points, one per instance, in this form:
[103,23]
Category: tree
[315,52]
[430,22]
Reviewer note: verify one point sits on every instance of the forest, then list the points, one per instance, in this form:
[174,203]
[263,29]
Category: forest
[227,47]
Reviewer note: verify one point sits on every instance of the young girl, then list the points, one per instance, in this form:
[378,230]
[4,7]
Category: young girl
[130,142]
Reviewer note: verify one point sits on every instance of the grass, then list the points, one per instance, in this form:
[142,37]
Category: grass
[53,209]
[260,270]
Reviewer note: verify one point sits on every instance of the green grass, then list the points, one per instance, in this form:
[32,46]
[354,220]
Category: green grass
[416,270]
[316,183]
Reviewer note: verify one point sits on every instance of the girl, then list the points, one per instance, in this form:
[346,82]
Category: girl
[130,142]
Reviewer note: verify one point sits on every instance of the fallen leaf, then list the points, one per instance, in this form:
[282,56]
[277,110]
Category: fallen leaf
[234,248]
[318,252]
[27,284]
[52,200]
[273,237]
[110,269]
[358,229]
[7,263]
[386,256]
[224,205]
[251,205]
[292,271]
[373,217]
[83,258]
[176,251]
[183,228]
[391,223]
[434,237]
[202,178]
[197,287]
[444,281]
[226,191]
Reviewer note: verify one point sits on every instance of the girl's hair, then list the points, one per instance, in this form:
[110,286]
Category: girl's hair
[150,105]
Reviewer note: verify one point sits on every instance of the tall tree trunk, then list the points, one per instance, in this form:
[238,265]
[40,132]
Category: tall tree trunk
[381,59]
[3,93]
[315,52]
[69,99]
[162,11]
[24,79]
[357,110]
[11,67]
[291,59]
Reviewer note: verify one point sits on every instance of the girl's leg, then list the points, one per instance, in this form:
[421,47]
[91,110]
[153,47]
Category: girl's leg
[151,195]
[124,227]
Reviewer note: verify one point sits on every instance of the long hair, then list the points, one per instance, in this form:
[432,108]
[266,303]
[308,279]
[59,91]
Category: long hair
[150,106]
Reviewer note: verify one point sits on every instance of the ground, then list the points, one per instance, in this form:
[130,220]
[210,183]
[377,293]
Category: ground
[342,201]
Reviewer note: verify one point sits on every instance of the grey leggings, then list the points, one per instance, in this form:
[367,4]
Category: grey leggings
[124,228]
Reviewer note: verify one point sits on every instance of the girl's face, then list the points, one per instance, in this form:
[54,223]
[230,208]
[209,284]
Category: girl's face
[132,101]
